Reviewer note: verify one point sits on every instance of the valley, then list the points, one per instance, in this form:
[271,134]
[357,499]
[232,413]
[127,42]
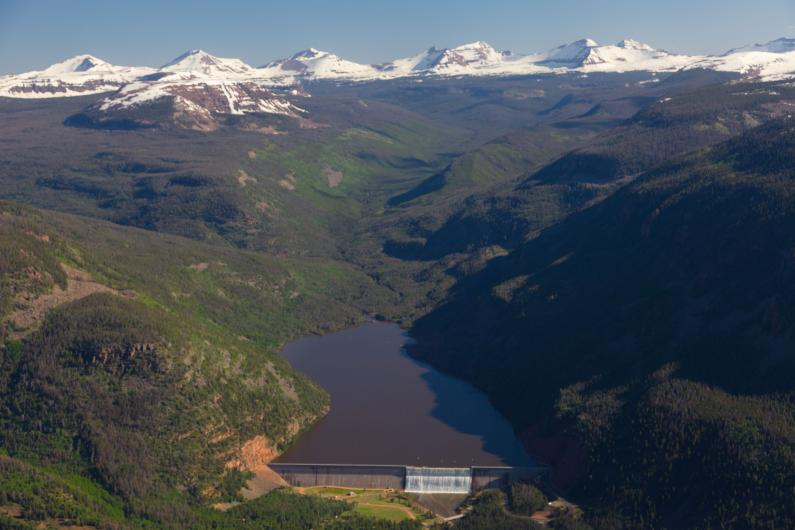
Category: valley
[595,264]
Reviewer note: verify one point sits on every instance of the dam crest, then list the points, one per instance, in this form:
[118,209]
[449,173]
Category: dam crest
[411,479]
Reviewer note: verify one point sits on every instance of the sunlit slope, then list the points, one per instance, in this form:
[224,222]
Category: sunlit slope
[139,366]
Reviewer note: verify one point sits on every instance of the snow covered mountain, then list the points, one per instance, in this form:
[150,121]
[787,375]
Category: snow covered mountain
[80,75]
[233,87]
[193,90]
[772,61]
[587,55]
[316,65]
[476,58]
[568,55]
[473,57]
[199,62]
[413,65]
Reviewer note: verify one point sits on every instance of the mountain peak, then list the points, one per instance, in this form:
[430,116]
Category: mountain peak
[87,63]
[783,41]
[477,45]
[473,54]
[574,53]
[199,61]
[631,44]
[195,55]
[781,45]
[78,63]
[587,43]
[310,53]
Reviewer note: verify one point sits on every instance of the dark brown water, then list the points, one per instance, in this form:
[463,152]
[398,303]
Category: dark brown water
[387,408]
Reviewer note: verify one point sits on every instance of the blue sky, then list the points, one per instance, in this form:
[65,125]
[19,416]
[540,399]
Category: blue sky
[36,33]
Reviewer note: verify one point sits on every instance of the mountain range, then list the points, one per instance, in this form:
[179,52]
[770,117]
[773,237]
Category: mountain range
[85,74]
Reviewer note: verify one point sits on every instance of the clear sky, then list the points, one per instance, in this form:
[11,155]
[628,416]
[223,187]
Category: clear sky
[36,33]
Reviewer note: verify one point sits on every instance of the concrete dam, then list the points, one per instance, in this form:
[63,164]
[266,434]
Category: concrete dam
[407,478]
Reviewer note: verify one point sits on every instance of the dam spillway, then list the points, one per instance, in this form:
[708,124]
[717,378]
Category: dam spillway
[406,478]
[438,479]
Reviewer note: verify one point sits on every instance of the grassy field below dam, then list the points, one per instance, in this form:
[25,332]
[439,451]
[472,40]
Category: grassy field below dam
[389,505]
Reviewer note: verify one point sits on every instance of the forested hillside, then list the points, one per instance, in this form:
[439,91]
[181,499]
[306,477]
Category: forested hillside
[139,371]
[653,329]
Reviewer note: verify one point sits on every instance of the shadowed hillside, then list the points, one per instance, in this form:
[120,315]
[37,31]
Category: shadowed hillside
[655,326]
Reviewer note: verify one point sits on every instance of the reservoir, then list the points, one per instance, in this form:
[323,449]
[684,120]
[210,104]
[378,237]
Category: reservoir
[387,408]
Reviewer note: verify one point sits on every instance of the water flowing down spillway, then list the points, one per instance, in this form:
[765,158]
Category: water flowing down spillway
[438,480]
